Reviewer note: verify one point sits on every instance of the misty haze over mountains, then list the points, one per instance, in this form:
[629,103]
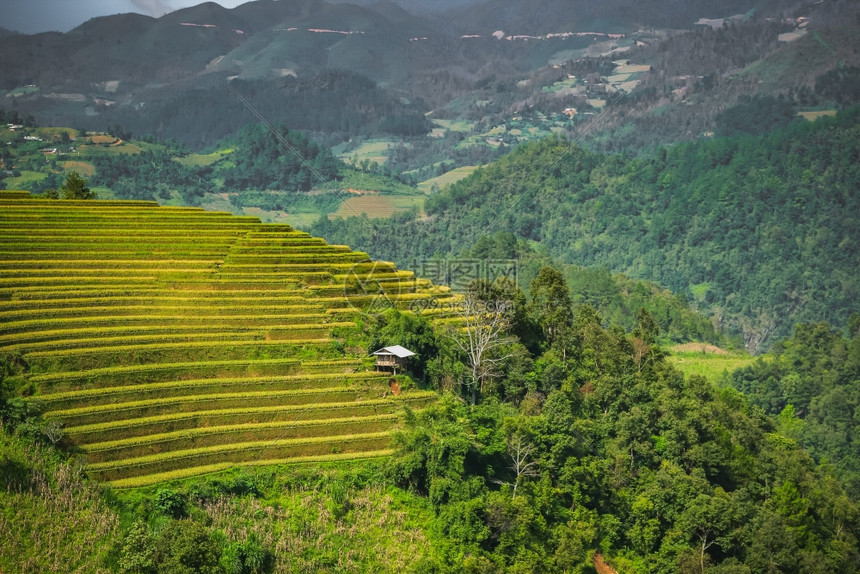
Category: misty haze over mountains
[482,59]
[618,238]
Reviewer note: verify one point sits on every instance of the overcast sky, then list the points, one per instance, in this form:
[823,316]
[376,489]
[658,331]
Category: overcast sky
[32,16]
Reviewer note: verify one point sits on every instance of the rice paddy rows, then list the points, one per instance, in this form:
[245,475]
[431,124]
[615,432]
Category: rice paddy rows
[211,436]
[193,403]
[298,333]
[78,338]
[164,372]
[154,320]
[237,453]
[149,479]
[146,426]
[131,393]
[173,341]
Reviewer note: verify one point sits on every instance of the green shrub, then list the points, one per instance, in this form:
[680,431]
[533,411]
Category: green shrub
[170,503]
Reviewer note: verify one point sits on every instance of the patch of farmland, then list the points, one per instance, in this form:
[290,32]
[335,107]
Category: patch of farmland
[203,160]
[625,67]
[373,205]
[792,36]
[814,115]
[447,178]
[372,150]
[174,341]
[25,180]
[124,148]
[455,125]
[707,360]
[82,167]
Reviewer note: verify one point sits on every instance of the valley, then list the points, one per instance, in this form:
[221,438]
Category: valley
[446,286]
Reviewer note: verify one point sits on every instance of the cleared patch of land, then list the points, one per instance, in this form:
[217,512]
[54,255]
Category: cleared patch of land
[707,360]
[624,67]
[25,180]
[455,125]
[447,178]
[372,150]
[124,148]
[792,36]
[372,205]
[812,116]
[82,167]
[103,139]
[703,348]
[566,84]
[203,160]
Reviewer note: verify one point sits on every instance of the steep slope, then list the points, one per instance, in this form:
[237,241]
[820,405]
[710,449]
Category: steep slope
[169,342]
[534,17]
[760,231]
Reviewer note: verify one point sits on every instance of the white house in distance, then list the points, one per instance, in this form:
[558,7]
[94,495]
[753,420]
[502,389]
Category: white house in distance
[392,357]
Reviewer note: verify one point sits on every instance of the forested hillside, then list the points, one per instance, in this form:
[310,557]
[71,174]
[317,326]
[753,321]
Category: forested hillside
[812,389]
[760,231]
[589,448]
[620,241]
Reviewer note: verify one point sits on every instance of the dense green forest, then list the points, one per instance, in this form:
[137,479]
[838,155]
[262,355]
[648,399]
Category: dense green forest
[570,440]
[334,101]
[258,160]
[759,231]
[812,389]
[147,175]
[284,160]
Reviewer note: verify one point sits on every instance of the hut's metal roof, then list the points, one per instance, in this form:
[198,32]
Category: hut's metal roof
[396,350]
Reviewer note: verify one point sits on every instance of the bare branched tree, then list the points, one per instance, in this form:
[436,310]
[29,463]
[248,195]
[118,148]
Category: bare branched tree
[53,430]
[483,338]
[522,463]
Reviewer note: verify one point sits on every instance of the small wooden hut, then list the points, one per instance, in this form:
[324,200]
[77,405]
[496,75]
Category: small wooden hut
[392,357]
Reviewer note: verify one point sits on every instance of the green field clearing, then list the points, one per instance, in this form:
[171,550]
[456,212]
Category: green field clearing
[625,67]
[448,178]
[371,150]
[203,160]
[377,205]
[371,205]
[707,361]
[25,180]
[82,167]
[170,341]
[463,126]
[565,84]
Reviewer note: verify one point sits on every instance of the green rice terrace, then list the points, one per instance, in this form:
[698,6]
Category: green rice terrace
[169,342]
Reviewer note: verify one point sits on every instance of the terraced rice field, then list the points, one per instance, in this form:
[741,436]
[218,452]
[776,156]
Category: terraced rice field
[170,342]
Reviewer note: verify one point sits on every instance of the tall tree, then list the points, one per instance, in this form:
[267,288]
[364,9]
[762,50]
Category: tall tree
[485,317]
[551,306]
[75,187]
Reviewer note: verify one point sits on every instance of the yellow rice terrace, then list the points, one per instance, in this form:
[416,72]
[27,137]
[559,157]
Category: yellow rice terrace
[168,342]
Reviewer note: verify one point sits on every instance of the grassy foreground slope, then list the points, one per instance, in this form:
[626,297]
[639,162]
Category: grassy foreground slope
[168,342]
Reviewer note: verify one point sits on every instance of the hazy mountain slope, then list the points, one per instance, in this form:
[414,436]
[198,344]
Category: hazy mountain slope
[144,73]
[697,75]
[542,16]
[761,231]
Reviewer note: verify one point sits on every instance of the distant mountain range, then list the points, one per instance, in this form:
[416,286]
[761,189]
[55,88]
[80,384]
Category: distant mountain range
[168,76]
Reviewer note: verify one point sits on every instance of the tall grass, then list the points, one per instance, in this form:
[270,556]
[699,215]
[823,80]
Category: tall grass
[51,519]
